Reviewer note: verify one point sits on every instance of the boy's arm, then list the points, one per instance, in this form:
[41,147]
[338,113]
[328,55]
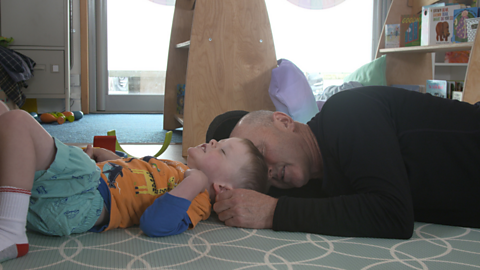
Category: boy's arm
[168,213]
[195,181]
[166,216]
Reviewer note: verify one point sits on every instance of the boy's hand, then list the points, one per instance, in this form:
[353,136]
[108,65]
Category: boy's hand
[100,154]
[89,151]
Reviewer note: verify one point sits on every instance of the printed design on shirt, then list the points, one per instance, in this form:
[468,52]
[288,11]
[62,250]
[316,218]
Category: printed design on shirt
[112,171]
[129,160]
[150,187]
[171,183]
[174,164]
[41,190]
[61,201]
[155,166]
[71,214]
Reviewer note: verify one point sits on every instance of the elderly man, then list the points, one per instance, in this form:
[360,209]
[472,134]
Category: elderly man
[373,161]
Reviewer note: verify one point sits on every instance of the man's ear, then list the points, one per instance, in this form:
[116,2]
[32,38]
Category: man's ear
[283,121]
[219,188]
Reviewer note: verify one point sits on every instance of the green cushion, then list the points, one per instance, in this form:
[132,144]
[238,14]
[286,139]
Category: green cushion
[372,73]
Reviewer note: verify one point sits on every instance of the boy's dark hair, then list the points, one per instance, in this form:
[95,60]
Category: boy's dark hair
[254,174]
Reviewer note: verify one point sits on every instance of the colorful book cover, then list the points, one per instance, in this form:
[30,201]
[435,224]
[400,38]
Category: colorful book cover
[425,31]
[437,88]
[392,35]
[457,57]
[410,30]
[440,25]
[459,23]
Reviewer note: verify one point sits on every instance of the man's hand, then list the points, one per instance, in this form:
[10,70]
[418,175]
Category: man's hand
[245,208]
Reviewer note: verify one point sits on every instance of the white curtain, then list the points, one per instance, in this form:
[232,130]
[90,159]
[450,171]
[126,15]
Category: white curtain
[164,2]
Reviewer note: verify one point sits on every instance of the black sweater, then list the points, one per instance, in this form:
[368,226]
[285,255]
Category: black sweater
[390,157]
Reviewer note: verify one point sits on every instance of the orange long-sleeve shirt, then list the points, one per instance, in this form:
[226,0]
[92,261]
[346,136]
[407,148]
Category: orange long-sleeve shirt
[134,185]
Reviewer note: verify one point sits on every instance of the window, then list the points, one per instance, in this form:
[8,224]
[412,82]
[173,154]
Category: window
[138,41]
[326,44]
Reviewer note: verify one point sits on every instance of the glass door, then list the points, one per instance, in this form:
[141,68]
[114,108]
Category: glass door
[138,37]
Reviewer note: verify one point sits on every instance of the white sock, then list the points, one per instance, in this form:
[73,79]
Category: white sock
[14,204]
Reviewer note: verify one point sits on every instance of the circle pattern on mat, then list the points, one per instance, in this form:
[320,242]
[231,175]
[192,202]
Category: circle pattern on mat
[212,245]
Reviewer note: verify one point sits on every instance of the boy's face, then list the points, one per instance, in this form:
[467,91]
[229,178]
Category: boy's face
[218,160]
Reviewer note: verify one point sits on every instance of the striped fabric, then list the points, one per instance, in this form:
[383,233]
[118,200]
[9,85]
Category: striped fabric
[14,190]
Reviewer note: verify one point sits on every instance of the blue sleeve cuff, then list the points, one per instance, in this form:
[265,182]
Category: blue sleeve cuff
[166,216]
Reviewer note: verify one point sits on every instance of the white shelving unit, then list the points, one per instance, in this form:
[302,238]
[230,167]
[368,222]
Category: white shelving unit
[41,31]
[448,71]
[415,65]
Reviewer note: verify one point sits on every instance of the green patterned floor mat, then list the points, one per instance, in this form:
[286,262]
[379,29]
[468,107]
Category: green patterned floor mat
[211,245]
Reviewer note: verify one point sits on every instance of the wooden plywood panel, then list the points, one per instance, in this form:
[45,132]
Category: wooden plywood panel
[177,60]
[230,62]
[413,68]
[418,4]
[472,79]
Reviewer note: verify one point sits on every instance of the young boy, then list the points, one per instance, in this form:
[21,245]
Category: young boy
[57,189]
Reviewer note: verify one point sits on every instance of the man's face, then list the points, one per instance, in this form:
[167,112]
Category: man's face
[218,160]
[287,163]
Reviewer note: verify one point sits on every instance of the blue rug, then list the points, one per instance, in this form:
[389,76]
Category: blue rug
[130,128]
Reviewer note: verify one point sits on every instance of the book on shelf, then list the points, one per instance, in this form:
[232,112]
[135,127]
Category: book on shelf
[437,24]
[436,88]
[460,17]
[450,88]
[457,57]
[456,90]
[392,35]
[180,98]
[410,30]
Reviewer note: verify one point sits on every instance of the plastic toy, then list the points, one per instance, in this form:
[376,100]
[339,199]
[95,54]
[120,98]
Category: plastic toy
[110,142]
[69,115]
[35,115]
[59,117]
[53,117]
[78,115]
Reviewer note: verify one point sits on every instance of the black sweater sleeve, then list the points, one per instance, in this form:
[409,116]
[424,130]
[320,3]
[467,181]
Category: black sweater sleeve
[364,174]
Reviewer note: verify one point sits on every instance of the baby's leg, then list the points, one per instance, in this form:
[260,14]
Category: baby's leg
[25,147]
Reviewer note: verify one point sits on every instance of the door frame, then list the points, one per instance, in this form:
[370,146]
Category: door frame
[94,55]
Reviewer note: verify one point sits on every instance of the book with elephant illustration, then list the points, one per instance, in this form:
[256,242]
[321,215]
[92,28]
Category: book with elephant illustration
[437,24]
